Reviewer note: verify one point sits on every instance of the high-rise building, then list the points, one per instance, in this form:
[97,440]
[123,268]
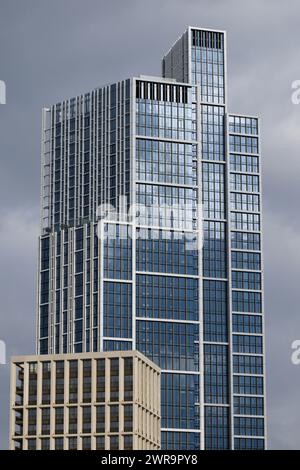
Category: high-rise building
[88,401]
[173,268]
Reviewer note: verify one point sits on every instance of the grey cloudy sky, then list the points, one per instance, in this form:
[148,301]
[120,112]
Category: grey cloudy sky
[50,50]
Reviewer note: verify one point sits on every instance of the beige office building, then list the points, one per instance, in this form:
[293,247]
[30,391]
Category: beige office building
[97,401]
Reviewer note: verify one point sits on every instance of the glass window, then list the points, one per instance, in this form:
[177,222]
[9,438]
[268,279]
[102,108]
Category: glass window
[114,379]
[87,380]
[59,420]
[128,379]
[128,444]
[128,418]
[86,443]
[100,380]
[45,421]
[114,442]
[73,382]
[60,382]
[32,398]
[46,382]
[100,443]
[86,419]
[114,418]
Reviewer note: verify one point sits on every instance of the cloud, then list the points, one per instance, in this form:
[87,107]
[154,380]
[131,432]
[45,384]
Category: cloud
[59,49]
[18,254]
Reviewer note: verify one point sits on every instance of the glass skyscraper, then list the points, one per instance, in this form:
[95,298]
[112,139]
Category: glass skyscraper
[151,239]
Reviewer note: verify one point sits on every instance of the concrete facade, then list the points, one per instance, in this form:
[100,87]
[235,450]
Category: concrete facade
[88,401]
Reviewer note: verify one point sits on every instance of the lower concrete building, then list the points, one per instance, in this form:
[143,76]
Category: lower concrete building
[86,401]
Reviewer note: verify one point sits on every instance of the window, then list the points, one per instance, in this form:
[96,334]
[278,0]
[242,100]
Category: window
[247,323]
[114,379]
[247,364]
[72,443]
[166,251]
[216,373]
[100,380]
[166,162]
[32,399]
[244,163]
[45,444]
[87,381]
[45,421]
[243,125]
[128,444]
[167,297]
[32,422]
[248,406]
[114,442]
[249,444]
[31,444]
[213,184]
[248,385]
[180,440]
[59,420]
[59,393]
[245,221]
[243,144]
[128,418]
[170,345]
[164,119]
[212,127]
[128,379]
[208,65]
[114,418]
[46,382]
[73,420]
[245,202]
[245,241]
[214,250]
[117,310]
[244,301]
[117,251]
[244,260]
[247,344]
[73,382]
[216,428]
[166,206]
[249,426]
[246,280]
[86,419]
[179,393]
[86,443]
[215,311]
[59,443]
[100,443]
[100,418]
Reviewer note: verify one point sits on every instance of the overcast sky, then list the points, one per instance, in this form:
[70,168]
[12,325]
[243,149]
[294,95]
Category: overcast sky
[55,49]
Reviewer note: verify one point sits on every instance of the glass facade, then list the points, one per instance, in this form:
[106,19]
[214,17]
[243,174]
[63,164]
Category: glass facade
[247,284]
[232,346]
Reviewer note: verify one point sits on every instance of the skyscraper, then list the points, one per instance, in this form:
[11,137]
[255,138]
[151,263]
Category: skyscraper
[173,267]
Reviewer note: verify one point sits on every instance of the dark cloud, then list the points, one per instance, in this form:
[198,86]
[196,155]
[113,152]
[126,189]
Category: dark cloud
[53,50]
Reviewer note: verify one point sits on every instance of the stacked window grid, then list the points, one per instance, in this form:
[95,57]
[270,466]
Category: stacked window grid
[167,309]
[166,162]
[207,62]
[247,283]
[68,319]
[165,251]
[214,269]
[80,145]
